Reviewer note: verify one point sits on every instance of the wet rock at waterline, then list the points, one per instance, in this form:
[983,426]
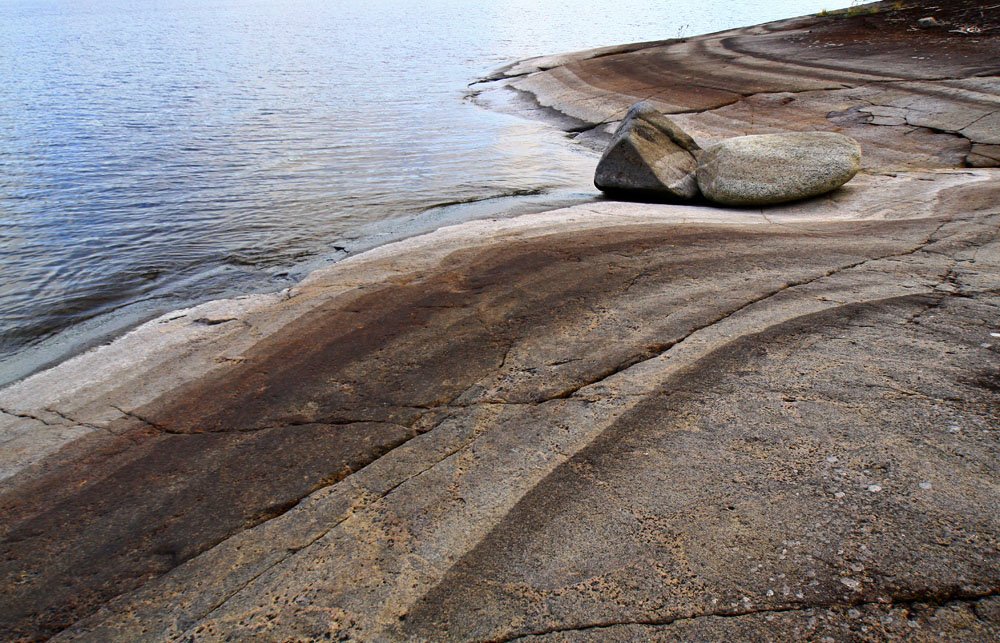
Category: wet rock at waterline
[649,156]
[776,168]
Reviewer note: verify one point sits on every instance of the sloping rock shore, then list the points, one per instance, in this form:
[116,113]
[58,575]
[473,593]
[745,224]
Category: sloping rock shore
[615,421]
[912,97]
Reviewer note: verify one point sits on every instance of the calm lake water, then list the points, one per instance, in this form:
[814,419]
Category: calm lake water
[158,153]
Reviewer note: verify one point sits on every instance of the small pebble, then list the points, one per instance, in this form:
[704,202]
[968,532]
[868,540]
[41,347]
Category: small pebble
[994,334]
[839,494]
[831,459]
[851,583]
[925,485]
[874,487]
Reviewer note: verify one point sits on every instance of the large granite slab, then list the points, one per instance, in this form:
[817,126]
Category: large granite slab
[616,421]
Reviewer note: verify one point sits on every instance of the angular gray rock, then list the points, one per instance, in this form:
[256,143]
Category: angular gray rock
[649,156]
[775,168]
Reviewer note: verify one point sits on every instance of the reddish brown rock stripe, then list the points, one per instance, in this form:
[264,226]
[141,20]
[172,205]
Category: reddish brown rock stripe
[120,520]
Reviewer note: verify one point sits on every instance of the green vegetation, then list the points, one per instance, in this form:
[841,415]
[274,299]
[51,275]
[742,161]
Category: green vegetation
[857,8]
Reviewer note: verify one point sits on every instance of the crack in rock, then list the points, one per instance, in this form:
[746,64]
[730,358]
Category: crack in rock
[28,416]
[935,599]
[354,509]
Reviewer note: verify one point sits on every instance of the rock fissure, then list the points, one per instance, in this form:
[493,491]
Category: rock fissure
[292,504]
[68,421]
[933,599]
[76,422]
[370,500]
[146,421]
[660,349]
[984,116]
[28,416]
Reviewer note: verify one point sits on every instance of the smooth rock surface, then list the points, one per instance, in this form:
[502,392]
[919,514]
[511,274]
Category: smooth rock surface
[649,156]
[775,168]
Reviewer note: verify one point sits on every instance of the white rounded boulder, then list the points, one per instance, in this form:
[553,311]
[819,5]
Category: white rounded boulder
[775,168]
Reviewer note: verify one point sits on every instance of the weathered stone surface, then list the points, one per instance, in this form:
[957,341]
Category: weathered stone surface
[563,452]
[649,156]
[776,168]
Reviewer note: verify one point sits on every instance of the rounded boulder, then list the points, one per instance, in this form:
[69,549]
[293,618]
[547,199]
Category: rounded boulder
[775,168]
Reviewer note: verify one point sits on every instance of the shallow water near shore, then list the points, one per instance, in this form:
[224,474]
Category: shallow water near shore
[154,155]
